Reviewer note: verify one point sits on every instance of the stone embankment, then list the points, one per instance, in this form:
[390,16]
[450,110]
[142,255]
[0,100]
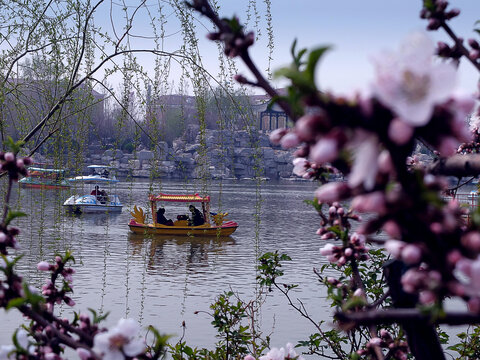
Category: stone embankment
[223,154]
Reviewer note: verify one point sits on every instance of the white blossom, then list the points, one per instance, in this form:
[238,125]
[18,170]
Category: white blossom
[5,351]
[365,150]
[119,341]
[410,83]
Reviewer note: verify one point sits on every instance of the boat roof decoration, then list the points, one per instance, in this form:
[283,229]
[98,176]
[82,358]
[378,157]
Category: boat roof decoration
[179,198]
[33,168]
[92,179]
[100,167]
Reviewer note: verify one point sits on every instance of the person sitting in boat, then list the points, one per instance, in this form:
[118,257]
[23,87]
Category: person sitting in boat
[102,196]
[95,192]
[161,219]
[197,217]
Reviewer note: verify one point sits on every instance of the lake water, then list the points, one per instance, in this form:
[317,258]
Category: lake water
[162,281]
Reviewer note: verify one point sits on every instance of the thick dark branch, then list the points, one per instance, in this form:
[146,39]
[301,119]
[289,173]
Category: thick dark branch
[457,165]
[460,46]
[392,316]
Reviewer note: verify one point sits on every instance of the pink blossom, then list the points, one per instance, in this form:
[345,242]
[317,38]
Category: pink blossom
[327,249]
[325,150]
[375,341]
[471,240]
[359,293]
[276,135]
[436,227]
[331,192]
[331,280]
[3,237]
[400,132]
[394,247]
[464,265]
[411,254]
[385,164]
[427,297]
[309,125]
[456,288]
[410,83]
[9,156]
[448,146]
[300,166]
[289,140]
[412,279]
[291,354]
[43,266]
[384,333]
[453,257]
[365,150]
[372,202]
[392,229]
[83,354]
[474,305]
[274,354]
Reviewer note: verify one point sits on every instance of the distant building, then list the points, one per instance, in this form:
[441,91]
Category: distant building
[266,118]
[269,118]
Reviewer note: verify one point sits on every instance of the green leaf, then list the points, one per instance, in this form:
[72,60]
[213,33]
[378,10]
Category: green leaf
[429,5]
[313,59]
[292,48]
[12,215]
[15,303]
[354,302]
[98,318]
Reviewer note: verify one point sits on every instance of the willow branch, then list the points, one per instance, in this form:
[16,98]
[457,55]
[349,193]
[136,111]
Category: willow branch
[204,8]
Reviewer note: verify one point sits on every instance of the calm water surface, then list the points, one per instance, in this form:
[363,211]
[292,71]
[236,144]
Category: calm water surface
[164,280]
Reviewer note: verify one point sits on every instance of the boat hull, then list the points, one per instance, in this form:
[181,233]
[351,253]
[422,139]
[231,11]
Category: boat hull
[202,230]
[92,209]
[89,204]
[43,186]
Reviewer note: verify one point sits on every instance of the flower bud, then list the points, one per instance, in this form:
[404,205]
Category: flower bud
[9,157]
[289,140]
[310,125]
[43,266]
[411,254]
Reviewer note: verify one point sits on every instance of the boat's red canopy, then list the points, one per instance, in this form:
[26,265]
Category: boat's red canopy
[179,198]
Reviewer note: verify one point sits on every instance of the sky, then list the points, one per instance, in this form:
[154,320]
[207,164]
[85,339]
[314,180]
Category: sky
[356,31]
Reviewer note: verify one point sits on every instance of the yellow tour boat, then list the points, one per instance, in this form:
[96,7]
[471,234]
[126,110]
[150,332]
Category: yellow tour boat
[214,224]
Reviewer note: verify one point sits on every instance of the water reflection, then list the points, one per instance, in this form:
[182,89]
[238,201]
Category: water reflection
[162,280]
[98,219]
[165,251]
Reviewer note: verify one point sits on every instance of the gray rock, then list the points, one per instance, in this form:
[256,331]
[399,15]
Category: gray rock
[145,155]
[108,153]
[134,164]
[141,173]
